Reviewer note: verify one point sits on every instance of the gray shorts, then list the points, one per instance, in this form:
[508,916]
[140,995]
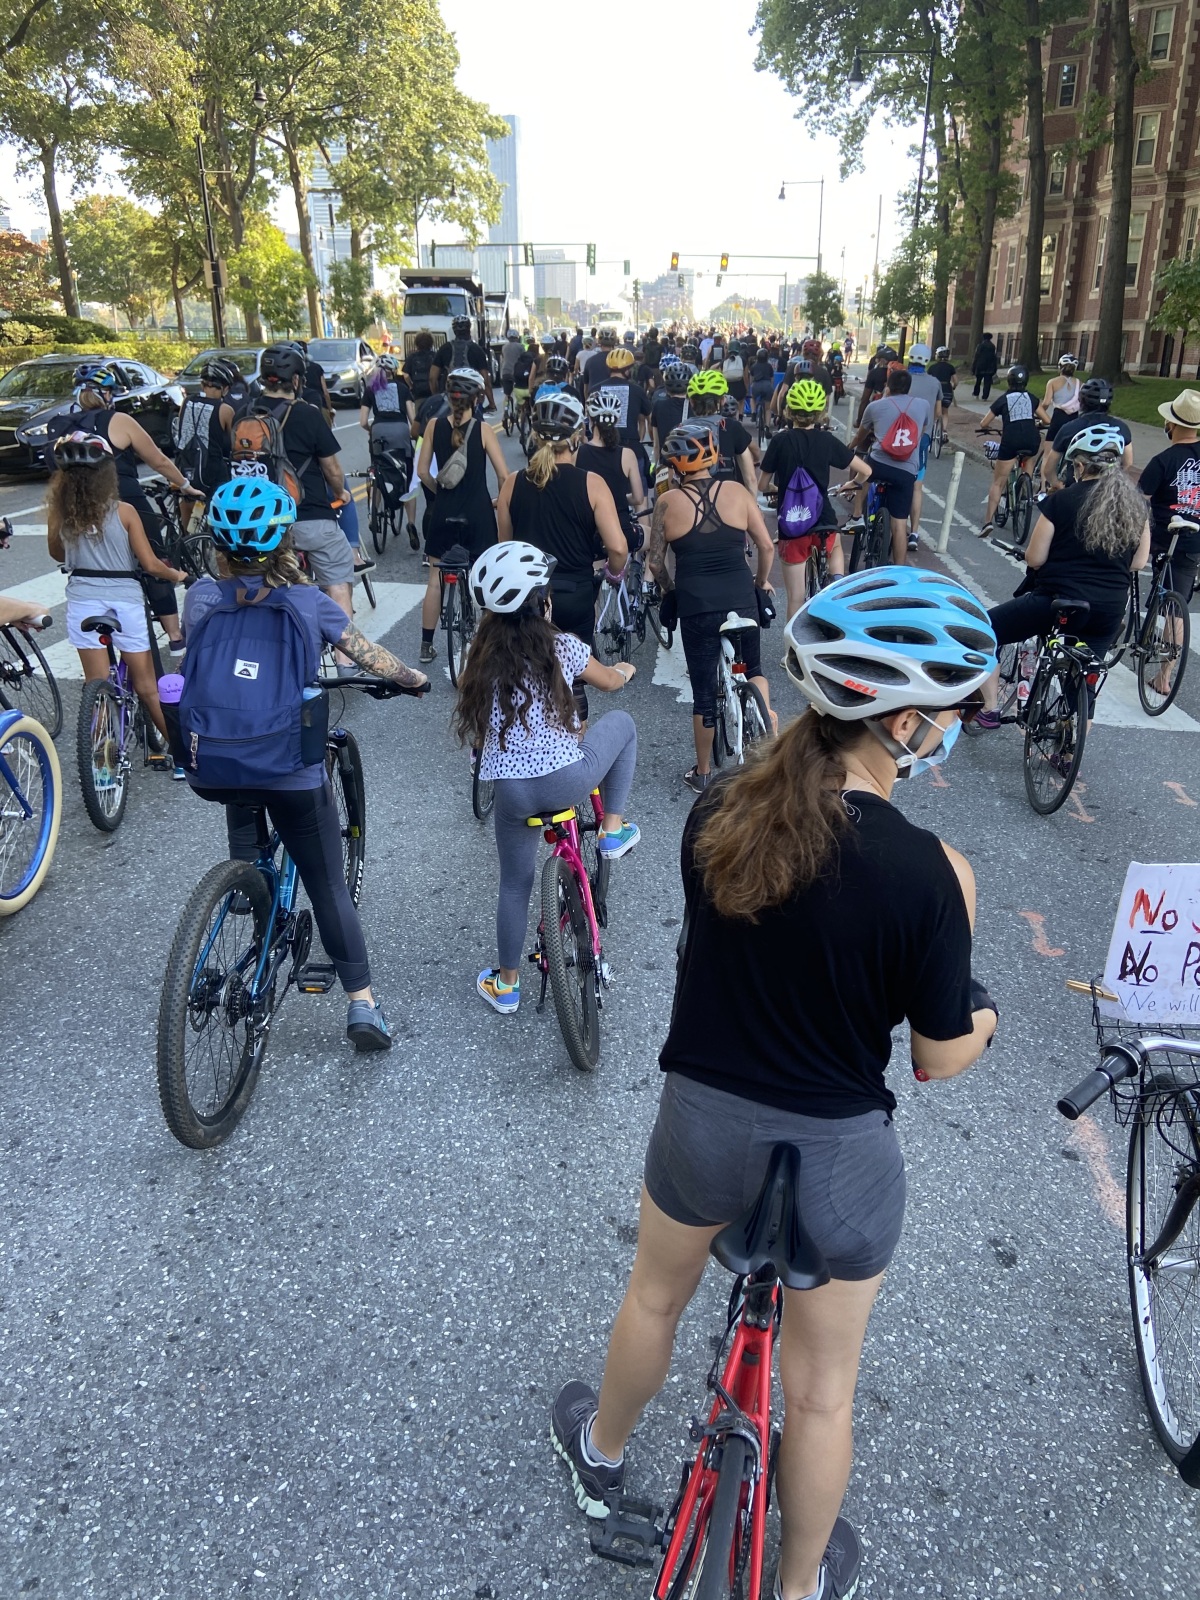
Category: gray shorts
[708,1155]
[330,558]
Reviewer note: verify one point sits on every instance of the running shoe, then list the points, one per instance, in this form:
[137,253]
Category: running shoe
[986,530]
[612,846]
[500,996]
[697,781]
[841,1565]
[179,775]
[987,719]
[366,1026]
[428,653]
[914,542]
[570,1420]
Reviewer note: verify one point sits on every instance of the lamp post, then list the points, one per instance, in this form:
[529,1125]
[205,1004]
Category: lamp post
[858,77]
[807,183]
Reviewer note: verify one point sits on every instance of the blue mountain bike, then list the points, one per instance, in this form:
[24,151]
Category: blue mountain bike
[30,808]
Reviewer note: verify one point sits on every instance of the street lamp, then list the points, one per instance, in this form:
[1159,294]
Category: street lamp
[260,99]
[858,77]
[807,183]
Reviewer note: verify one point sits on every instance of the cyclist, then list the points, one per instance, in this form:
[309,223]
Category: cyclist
[875,382]
[816,450]
[705,391]
[616,463]
[1062,400]
[584,354]
[96,388]
[389,415]
[516,708]
[458,352]
[629,398]
[669,406]
[314,388]
[733,370]
[1171,480]
[1095,397]
[1086,541]
[418,366]
[928,388]
[568,512]
[898,423]
[99,538]
[944,370]
[762,378]
[250,520]
[509,356]
[706,521]
[201,433]
[555,380]
[877,914]
[525,369]
[1018,436]
[596,370]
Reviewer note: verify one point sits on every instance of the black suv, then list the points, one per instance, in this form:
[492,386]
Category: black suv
[34,391]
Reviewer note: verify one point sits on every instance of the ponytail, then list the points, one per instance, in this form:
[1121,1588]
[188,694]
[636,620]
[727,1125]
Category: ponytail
[543,464]
[610,435]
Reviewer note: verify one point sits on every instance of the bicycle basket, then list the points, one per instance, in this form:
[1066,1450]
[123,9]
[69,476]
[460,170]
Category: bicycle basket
[1111,1030]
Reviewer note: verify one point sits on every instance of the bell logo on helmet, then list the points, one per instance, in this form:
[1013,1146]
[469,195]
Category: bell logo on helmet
[246,669]
[862,688]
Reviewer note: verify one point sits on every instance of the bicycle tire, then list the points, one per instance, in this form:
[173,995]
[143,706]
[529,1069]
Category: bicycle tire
[28,752]
[198,555]
[377,518]
[597,867]
[483,791]
[343,764]
[572,973]
[192,1000]
[1127,634]
[663,635]
[609,635]
[1164,1143]
[106,796]
[939,440]
[756,719]
[369,589]
[715,1561]
[26,681]
[456,653]
[728,729]
[812,575]
[1056,721]
[1022,522]
[1165,607]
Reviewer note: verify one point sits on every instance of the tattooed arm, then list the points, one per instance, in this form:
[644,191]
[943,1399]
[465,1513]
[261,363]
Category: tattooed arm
[374,658]
[656,546]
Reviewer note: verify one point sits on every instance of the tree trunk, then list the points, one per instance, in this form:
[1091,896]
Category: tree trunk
[300,192]
[66,278]
[1183,339]
[356,245]
[1031,301]
[237,219]
[1106,361]
[987,234]
[942,217]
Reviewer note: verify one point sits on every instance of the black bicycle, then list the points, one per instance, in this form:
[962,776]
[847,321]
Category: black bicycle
[26,681]
[1158,637]
[193,553]
[872,543]
[457,609]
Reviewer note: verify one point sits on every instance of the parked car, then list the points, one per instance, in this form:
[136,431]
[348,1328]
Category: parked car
[346,363]
[34,391]
[246,358]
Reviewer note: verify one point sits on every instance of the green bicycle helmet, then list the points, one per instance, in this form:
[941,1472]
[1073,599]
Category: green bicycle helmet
[711,382]
[806,396]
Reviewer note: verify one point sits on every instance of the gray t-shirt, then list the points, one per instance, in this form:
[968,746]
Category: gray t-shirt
[880,416]
[926,388]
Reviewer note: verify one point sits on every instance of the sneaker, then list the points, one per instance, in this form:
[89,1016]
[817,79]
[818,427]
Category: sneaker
[697,781]
[366,1026]
[841,1565]
[179,775]
[987,719]
[986,531]
[498,995]
[612,846]
[414,538]
[855,525]
[363,562]
[570,1419]
[914,542]
[428,653]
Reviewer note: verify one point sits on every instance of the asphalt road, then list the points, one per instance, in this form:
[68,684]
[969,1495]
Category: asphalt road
[319,1360]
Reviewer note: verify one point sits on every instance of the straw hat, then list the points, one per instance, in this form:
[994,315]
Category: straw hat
[1183,410]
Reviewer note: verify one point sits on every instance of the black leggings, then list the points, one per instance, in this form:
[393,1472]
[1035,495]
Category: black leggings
[1034,613]
[307,823]
[159,592]
[701,639]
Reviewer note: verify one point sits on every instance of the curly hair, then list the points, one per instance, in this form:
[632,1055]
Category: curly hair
[279,569]
[512,660]
[1111,519]
[80,498]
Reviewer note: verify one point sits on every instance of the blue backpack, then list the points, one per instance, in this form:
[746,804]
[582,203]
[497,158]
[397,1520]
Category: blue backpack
[800,505]
[248,663]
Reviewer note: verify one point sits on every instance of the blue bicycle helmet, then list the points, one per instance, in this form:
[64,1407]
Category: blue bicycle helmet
[887,639]
[248,517]
[92,375]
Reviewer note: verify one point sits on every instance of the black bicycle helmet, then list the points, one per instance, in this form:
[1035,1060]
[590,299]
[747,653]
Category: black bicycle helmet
[81,449]
[280,363]
[676,377]
[1018,377]
[223,373]
[461,327]
[1096,394]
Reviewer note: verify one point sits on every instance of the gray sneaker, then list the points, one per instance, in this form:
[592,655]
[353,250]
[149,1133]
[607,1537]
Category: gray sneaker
[366,1026]
[841,1565]
[571,1415]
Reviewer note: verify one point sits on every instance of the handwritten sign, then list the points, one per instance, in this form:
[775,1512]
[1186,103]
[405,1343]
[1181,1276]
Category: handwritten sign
[1153,962]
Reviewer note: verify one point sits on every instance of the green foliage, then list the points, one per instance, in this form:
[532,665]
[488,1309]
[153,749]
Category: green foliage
[905,293]
[822,304]
[349,293]
[1179,285]
[111,243]
[166,355]
[268,276]
[24,274]
[48,325]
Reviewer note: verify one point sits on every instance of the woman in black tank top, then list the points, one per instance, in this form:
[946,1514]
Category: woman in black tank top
[565,511]
[617,464]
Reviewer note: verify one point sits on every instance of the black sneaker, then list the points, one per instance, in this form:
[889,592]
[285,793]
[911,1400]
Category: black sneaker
[697,782]
[573,1411]
[428,653]
[841,1565]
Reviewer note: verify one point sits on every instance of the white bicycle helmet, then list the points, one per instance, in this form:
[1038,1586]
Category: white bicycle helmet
[602,407]
[887,639]
[558,415]
[464,382]
[1102,440]
[507,574]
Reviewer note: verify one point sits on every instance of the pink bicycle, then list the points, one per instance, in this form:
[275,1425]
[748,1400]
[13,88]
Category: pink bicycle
[569,952]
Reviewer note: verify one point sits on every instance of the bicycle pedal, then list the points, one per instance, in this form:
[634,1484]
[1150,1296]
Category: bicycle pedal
[631,1534]
[316,977]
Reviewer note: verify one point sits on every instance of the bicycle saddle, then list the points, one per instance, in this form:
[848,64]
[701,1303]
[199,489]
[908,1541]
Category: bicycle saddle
[105,623]
[456,556]
[772,1231]
[1183,524]
[1072,612]
[734,624]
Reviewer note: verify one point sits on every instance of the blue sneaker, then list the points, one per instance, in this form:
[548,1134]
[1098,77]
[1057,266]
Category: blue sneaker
[616,845]
[498,995]
[179,775]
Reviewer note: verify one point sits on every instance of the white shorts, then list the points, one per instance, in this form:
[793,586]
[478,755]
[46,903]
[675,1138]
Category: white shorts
[132,634]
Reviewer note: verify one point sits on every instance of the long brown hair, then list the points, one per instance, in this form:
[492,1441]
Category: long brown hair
[80,498]
[280,570]
[511,652]
[790,793]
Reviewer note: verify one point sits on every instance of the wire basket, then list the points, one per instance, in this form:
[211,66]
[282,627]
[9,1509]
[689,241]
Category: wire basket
[1129,1095]
[991,449]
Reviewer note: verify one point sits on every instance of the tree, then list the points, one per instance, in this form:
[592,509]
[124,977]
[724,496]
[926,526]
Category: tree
[1179,285]
[268,276]
[24,275]
[905,295]
[349,299]
[822,304]
[1106,358]
[111,244]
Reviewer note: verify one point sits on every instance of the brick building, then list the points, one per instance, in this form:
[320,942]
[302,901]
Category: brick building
[1166,198]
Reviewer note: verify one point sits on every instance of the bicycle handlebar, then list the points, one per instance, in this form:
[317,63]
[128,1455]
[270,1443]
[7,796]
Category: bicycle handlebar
[1120,1062]
[378,688]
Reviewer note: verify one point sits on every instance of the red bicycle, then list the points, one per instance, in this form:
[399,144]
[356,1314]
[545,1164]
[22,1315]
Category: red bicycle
[714,1535]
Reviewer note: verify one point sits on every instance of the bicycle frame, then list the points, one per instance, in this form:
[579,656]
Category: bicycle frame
[564,836]
[281,877]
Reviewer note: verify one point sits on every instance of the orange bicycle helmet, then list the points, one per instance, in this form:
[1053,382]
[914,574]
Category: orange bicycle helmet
[691,447]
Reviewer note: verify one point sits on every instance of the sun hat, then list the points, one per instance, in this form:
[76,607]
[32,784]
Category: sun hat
[1184,410]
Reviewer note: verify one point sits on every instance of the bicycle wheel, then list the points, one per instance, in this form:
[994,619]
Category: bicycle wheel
[609,636]
[713,1559]
[1163,651]
[939,439]
[508,419]
[812,575]
[756,719]
[1056,721]
[523,427]
[665,636]
[343,763]
[1022,522]
[30,811]
[1164,1296]
[377,517]
[1128,630]
[368,589]
[198,555]
[456,643]
[26,681]
[597,867]
[483,791]
[1008,662]
[729,724]
[103,768]
[211,1031]
[567,939]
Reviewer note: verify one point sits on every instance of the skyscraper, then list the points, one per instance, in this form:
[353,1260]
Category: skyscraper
[505,235]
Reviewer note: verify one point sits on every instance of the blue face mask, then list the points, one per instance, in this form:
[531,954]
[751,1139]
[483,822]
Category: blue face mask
[940,751]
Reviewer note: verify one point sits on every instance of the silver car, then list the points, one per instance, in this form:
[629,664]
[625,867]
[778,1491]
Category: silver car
[346,363]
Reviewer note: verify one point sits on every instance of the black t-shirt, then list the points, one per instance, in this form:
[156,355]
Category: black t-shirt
[1087,419]
[522,367]
[943,371]
[812,990]
[446,361]
[595,369]
[666,412]
[391,400]
[1072,571]
[816,450]
[1019,430]
[416,367]
[307,436]
[732,440]
[632,402]
[763,371]
[1172,481]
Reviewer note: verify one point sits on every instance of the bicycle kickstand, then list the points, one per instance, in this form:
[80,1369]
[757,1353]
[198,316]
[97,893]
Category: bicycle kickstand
[631,1534]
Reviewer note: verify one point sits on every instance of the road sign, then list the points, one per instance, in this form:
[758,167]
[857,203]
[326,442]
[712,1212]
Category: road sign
[216,270]
[626,269]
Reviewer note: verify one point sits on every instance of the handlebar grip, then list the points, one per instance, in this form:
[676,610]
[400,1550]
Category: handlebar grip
[1116,1066]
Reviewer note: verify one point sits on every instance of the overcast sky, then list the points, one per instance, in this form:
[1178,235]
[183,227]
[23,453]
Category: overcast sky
[610,156]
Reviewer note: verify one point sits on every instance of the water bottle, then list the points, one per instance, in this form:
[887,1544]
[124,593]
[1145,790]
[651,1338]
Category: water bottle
[1027,663]
[170,692]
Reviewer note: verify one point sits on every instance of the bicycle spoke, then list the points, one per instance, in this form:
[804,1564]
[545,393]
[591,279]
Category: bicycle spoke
[20,830]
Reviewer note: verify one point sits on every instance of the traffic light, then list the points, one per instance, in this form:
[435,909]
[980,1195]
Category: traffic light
[637,288]
[675,261]
[679,280]
[591,258]
[718,280]
[528,249]
[626,272]
[725,261]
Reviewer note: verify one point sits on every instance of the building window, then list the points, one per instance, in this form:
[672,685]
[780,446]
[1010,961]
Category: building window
[1133,255]
[1068,81]
[1010,274]
[1020,268]
[1083,349]
[1101,239]
[993,270]
[1162,20]
[1190,217]
[1049,246]
[1056,182]
[1147,139]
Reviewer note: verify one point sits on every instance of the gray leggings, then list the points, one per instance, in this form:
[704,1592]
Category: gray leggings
[607,758]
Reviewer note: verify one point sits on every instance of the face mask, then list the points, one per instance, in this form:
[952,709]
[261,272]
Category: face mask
[940,751]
